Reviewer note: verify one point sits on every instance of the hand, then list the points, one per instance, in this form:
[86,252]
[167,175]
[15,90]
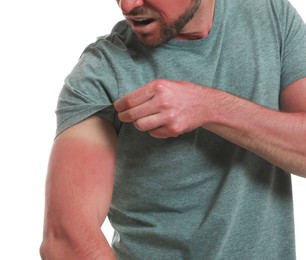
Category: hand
[164,108]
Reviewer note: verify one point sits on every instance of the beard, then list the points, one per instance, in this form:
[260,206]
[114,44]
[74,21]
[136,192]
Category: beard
[168,31]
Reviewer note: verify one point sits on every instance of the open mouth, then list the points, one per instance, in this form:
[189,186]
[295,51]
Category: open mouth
[141,22]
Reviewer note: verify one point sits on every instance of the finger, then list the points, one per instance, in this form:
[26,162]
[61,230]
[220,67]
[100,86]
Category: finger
[143,110]
[165,129]
[162,132]
[135,98]
[149,123]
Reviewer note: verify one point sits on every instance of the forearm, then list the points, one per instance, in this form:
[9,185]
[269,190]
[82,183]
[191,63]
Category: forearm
[276,136]
[166,108]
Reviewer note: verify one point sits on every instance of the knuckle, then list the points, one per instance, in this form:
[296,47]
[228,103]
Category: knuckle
[163,93]
[164,102]
[128,102]
[175,129]
[171,117]
[127,116]
[159,86]
[130,115]
[163,105]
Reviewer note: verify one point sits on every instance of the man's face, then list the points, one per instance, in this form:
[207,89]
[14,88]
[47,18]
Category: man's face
[157,21]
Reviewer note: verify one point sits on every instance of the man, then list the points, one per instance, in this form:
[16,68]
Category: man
[182,126]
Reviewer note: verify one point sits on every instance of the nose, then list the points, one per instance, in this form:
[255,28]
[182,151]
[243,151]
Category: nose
[129,5]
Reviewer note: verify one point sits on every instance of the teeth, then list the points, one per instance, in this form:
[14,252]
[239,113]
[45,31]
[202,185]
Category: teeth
[140,20]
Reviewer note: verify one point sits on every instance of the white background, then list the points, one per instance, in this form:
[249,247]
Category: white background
[40,43]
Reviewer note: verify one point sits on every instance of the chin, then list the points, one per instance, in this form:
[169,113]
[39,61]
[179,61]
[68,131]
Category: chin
[152,42]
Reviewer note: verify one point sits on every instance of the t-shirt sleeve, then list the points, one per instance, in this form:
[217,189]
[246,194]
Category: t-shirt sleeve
[89,89]
[293,46]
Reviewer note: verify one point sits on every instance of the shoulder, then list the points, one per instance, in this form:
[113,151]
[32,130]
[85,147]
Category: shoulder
[277,15]
[272,7]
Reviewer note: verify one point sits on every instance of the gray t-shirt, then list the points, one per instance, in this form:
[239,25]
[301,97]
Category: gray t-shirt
[196,196]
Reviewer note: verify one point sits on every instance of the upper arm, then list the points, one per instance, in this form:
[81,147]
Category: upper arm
[293,97]
[80,174]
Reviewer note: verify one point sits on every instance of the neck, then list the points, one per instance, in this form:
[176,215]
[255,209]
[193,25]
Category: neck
[200,25]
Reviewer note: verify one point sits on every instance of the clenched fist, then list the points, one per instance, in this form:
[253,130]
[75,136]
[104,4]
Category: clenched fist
[165,108]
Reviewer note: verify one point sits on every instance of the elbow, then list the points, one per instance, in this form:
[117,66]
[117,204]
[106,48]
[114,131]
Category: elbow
[300,173]
[299,167]
[302,169]
[46,252]
[43,251]
[68,245]
[54,247]
[57,250]
[49,249]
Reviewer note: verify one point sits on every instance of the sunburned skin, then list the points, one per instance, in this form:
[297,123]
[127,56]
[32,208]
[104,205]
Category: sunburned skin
[83,166]
[79,191]
[79,188]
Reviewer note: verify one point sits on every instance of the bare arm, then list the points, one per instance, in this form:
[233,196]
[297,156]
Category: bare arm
[279,137]
[78,192]
[169,108]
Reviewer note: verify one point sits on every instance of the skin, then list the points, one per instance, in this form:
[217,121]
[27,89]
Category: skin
[163,108]
[81,167]
[180,19]
[279,137]
[78,192]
